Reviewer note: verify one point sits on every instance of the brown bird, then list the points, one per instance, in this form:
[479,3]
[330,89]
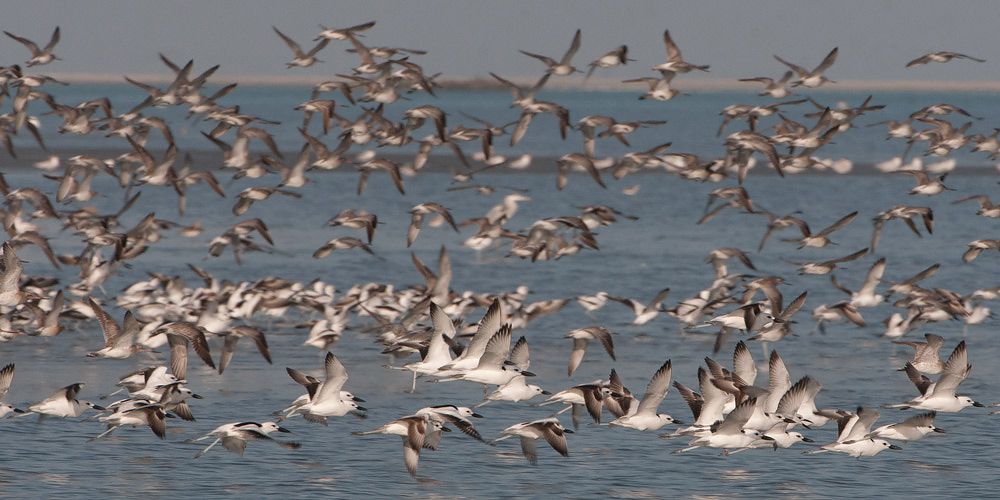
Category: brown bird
[38,56]
[180,334]
[940,57]
[118,340]
[417,214]
[302,59]
[234,336]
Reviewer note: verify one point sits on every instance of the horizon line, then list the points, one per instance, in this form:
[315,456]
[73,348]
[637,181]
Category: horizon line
[596,84]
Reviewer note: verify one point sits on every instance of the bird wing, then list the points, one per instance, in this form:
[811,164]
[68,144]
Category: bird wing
[573,47]
[839,224]
[234,444]
[336,376]
[799,70]
[656,390]
[743,363]
[779,381]
[488,326]
[108,324]
[576,355]
[602,334]
[6,376]
[554,435]
[956,369]
[873,277]
[530,449]
[519,355]
[196,337]
[292,45]
[924,384]
[673,53]
[178,356]
[496,349]
[228,348]
[737,418]
[827,61]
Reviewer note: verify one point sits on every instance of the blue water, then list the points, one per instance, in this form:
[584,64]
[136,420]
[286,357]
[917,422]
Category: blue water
[664,248]
[692,120]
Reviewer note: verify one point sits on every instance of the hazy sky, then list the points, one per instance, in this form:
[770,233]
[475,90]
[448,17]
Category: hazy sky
[472,38]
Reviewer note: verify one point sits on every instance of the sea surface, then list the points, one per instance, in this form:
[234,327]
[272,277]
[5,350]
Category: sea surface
[663,248]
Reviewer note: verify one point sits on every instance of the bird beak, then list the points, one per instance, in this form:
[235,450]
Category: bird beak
[678,422]
[529,374]
[977,404]
[476,415]
[445,429]
[767,438]
[568,431]
[807,440]
[546,393]
[938,429]
[359,400]
[362,408]
[196,396]
[894,447]
[282,429]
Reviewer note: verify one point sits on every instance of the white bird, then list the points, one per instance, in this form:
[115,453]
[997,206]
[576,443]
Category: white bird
[136,413]
[853,435]
[493,368]
[645,417]
[435,353]
[911,429]
[450,414]
[326,398]
[940,396]
[488,326]
[707,407]
[310,383]
[799,404]
[730,432]
[518,389]
[235,436]
[548,429]
[62,404]
[780,436]
[413,430]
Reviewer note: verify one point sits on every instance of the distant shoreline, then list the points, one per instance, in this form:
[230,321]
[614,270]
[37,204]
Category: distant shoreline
[572,83]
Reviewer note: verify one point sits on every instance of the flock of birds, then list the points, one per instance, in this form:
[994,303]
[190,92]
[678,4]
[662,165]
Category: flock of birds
[730,412]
